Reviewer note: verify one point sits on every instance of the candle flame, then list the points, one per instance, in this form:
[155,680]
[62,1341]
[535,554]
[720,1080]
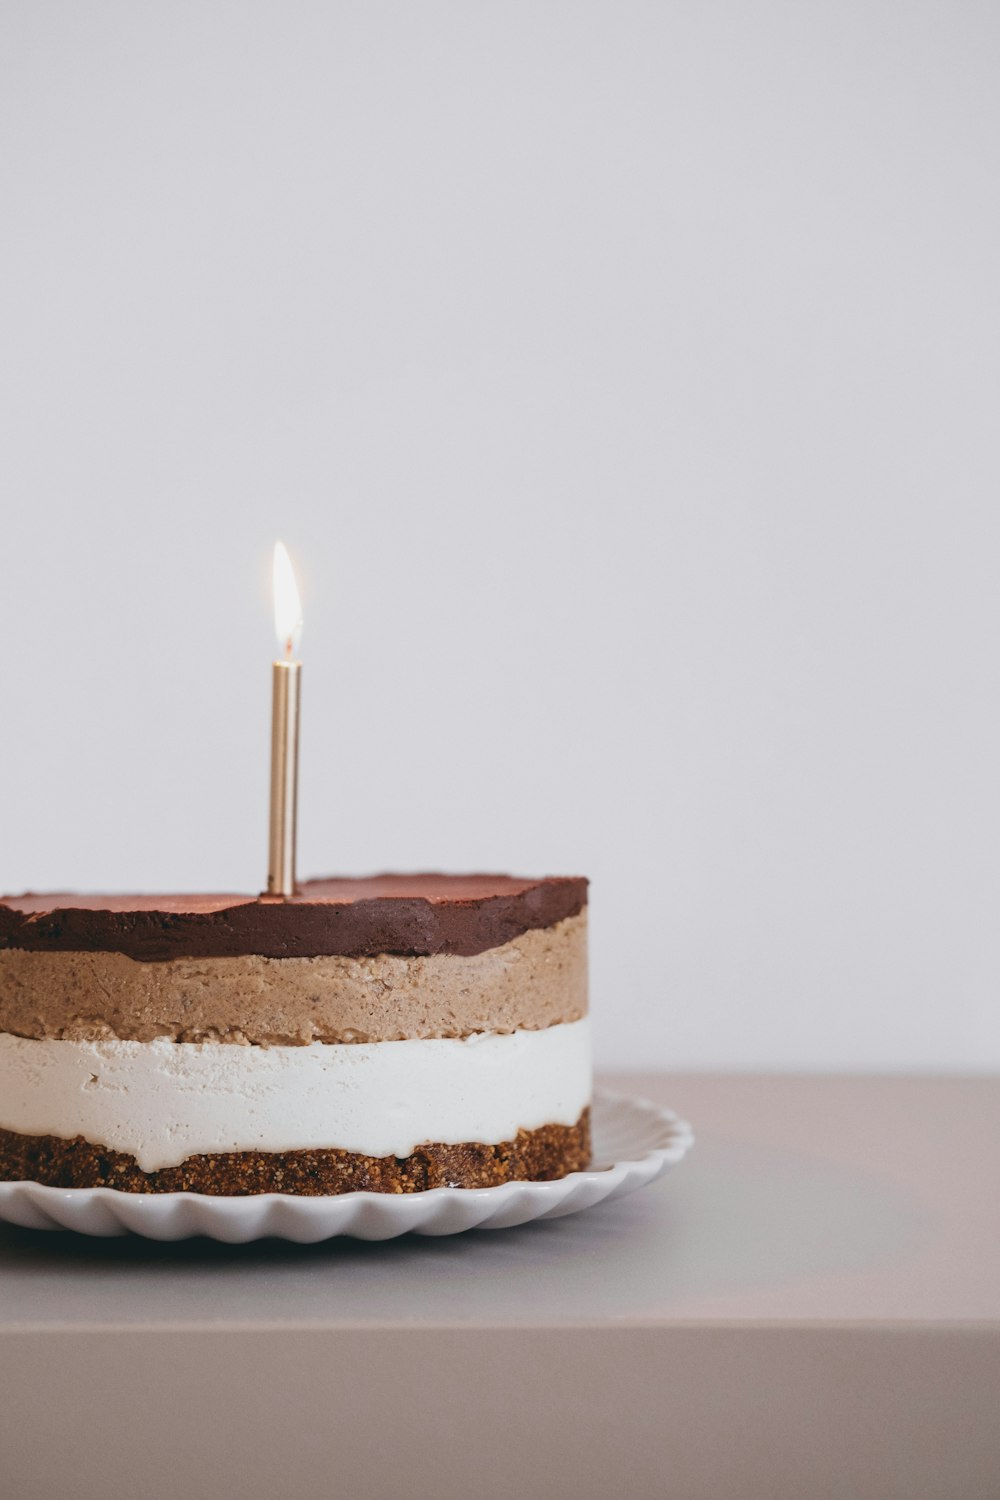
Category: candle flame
[287,609]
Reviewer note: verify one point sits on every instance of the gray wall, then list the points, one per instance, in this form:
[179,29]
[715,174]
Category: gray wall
[623,378]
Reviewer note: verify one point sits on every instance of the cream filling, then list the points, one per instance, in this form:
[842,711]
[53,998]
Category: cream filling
[164,1101]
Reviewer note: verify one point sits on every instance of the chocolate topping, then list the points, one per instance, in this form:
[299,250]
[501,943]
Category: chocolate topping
[402,914]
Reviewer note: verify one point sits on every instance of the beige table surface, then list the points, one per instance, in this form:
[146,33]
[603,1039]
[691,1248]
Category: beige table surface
[808,1306]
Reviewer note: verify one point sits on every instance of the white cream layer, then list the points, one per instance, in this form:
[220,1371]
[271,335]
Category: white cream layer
[163,1101]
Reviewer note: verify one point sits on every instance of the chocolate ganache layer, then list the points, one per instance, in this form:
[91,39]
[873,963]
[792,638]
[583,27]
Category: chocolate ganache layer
[408,915]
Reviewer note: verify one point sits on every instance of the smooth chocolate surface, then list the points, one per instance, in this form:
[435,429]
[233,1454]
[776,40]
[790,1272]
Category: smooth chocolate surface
[397,914]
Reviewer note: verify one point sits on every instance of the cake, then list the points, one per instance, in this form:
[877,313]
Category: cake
[388,1034]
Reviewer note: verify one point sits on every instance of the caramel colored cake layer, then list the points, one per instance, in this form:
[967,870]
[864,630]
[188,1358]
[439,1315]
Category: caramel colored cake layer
[534,1155]
[536,980]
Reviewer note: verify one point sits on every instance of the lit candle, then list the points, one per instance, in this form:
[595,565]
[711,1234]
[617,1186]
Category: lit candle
[286,677]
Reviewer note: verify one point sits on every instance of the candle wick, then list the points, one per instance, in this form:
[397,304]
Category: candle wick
[288,649]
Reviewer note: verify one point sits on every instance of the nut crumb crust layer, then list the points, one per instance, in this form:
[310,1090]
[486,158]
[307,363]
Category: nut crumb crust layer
[540,1155]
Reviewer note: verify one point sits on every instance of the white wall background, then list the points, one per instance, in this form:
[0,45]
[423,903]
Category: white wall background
[624,379]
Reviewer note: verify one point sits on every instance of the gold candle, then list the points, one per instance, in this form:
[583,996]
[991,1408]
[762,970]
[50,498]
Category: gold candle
[286,678]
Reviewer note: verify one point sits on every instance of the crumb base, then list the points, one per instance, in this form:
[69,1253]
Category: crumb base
[540,1155]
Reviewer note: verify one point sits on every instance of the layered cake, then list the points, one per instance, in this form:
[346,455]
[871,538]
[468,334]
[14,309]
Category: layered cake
[388,1034]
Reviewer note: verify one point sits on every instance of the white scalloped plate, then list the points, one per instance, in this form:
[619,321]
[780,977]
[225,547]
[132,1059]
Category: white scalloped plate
[634,1143]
